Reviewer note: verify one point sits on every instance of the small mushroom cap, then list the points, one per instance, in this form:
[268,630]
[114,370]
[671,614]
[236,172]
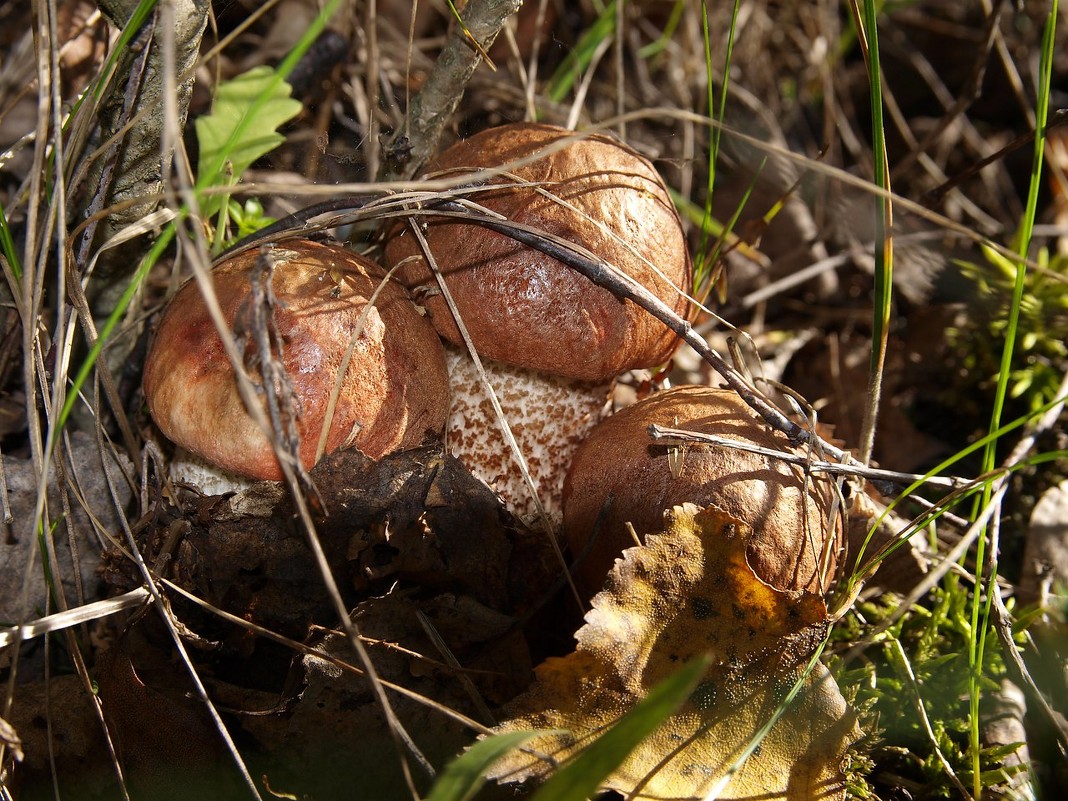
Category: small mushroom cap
[394,392]
[620,475]
[525,308]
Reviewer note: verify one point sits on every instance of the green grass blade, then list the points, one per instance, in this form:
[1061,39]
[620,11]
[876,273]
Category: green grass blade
[580,779]
[980,617]
[578,60]
[721,108]
[656,47]
[884,250]
[147,262]
[716,111]
[7,247]
[463,777]
[249,109]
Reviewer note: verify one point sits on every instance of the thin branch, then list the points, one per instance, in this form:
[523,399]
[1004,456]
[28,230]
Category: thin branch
[433,106]
[333,213]
[676,435]
[623,286]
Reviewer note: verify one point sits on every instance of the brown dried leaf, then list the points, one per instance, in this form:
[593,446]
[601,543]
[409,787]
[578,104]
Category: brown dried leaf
[687,590]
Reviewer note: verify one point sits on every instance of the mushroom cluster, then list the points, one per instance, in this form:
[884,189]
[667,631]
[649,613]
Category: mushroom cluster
[352,358]
[367,369]
[552,340]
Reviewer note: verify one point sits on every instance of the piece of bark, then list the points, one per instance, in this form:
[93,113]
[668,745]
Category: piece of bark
[134,171]
[1003,725]
[87,473]
[1045,562]
[1043,580]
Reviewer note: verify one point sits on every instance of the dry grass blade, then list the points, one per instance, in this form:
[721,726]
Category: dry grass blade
[73,617]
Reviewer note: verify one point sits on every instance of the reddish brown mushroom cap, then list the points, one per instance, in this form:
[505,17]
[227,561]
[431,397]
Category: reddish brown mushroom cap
[619,475]
[525,308]
[394,392]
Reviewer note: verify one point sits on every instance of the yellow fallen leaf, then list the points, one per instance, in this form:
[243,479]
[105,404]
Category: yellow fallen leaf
[690,590]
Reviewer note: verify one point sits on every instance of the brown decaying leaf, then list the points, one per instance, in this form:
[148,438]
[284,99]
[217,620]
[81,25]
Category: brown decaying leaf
[416,517]
[689,590]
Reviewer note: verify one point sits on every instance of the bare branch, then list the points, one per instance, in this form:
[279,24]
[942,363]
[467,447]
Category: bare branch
[435,103]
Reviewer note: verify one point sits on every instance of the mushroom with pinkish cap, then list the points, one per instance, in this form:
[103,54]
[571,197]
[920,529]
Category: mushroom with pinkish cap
[552,341]
[526,308]
[394,391]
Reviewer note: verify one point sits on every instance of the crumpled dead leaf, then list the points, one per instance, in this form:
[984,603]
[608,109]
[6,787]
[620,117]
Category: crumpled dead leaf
[416,517]
[688,590]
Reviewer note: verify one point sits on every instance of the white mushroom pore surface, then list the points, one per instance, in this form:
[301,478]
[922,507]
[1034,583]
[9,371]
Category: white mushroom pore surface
[195,471]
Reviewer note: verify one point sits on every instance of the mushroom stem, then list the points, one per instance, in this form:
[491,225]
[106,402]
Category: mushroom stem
[547,415]
[506,430]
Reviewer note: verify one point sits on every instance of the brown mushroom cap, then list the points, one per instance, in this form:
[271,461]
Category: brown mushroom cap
[525,308]
[395,390]
[620,470]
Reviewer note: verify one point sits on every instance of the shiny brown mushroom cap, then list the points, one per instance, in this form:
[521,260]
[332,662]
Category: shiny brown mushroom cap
[528,309]
[619,475]
[394,392]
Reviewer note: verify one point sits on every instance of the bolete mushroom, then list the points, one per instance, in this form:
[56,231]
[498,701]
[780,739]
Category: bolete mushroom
[524,308]
[394,391]
[620,476]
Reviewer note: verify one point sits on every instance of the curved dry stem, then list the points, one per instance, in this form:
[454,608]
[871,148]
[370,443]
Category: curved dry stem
[368,207]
